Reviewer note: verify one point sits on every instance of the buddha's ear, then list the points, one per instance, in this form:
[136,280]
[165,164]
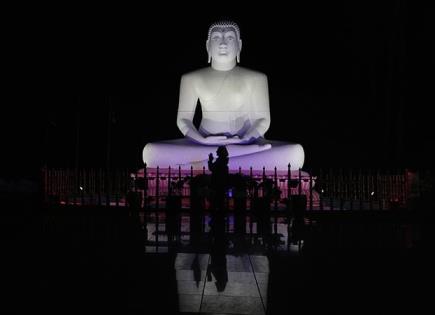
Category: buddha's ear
[240,49]
[207,46]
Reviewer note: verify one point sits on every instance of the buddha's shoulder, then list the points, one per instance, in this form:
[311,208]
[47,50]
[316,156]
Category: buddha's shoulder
[249,73]
[250,76]
[199,73]
[244,73]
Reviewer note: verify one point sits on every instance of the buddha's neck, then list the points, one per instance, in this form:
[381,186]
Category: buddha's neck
[223,66]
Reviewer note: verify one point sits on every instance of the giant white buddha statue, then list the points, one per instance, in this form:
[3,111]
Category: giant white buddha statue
[235,113]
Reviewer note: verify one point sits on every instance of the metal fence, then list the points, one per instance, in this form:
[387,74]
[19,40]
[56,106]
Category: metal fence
[323,190]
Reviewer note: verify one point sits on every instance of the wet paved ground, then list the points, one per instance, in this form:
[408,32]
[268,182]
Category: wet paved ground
[100,261]
[228,284]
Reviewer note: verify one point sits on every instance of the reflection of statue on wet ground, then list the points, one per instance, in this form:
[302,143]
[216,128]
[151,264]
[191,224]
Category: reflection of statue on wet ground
[235,113]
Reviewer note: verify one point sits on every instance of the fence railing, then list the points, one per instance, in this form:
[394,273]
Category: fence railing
[85,186]
[323,190]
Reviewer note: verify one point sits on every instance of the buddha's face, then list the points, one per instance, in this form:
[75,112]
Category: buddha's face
[223,45]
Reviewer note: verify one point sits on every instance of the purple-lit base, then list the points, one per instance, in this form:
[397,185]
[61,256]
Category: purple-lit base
[185,154]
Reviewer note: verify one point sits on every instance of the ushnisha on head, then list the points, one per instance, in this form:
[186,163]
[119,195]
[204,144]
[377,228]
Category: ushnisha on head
[223,42]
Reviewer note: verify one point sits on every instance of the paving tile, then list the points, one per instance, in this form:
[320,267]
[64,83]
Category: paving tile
[232,305]
[189,275]
[260,264]
[246,277]
[262,277]
[263,287]
[233,289]
[189,303]
[238,263]
[185,261]
[190,287]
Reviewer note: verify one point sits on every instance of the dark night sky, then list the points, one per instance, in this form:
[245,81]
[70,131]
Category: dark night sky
[352,82]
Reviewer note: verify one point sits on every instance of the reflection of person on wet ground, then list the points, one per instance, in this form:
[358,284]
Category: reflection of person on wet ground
[218,261]
[196,268]
[218,268]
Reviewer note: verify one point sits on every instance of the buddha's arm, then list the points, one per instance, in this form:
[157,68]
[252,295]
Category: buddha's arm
[186,109]
[186,105]
[260,112]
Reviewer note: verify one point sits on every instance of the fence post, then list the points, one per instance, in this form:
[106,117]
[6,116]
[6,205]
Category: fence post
[300,182]
[320,178]
[117,181]
[99,187]
[169,181]
[340,188]
[81,186]
[251,189]
[289,178]
[370,189]
[157,188]
[311,191]
[351,188]
[263,180]
[405,187]
[145,190]
[379,189]
[332,189]
[107,189]
[275,206]
[361,180]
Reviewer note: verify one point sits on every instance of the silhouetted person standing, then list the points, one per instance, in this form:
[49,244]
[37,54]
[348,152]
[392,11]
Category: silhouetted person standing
[218,185]
[218,260]
[219,177]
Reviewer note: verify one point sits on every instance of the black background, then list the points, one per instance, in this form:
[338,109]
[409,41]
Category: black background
[351,81]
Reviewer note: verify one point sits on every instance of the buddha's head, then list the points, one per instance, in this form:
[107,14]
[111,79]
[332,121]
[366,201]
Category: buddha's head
[223,42]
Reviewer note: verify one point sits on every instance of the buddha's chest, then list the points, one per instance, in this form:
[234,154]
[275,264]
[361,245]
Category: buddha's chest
[227,93]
